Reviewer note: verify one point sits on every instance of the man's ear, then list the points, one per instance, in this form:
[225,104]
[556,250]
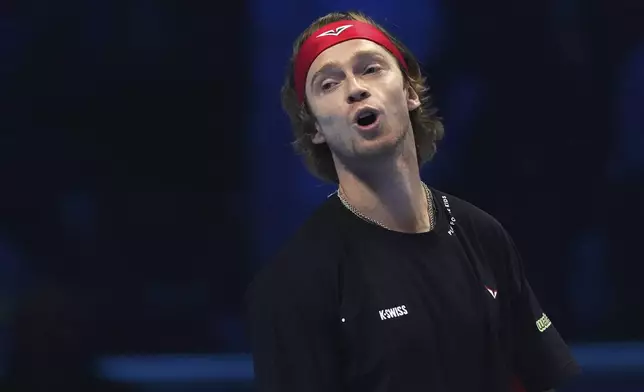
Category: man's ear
[413,100]
[318,138]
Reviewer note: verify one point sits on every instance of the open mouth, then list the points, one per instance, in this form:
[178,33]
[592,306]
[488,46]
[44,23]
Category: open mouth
[366,117]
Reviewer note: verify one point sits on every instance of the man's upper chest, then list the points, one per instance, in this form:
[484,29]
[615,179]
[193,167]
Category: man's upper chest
[402,298]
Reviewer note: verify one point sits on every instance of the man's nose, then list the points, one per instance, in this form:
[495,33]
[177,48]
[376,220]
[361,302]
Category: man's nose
[357,92]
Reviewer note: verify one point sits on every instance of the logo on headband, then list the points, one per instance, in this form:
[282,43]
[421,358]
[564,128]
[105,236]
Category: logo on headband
[335,32]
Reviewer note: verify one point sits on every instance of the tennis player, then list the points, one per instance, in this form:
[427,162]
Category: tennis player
[391,285]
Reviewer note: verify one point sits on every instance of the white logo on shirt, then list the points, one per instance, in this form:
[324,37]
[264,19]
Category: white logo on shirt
[492,292]
[398,311]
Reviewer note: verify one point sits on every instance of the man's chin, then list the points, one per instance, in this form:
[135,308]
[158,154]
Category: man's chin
[375,149]
[382,145]
[364,150]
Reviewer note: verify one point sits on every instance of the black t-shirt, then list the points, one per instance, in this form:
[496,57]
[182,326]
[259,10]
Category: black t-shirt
[350,306]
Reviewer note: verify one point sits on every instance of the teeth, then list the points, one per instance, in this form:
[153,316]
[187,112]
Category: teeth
[365,114]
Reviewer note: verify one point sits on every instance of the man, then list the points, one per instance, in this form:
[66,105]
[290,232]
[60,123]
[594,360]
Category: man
[390,285]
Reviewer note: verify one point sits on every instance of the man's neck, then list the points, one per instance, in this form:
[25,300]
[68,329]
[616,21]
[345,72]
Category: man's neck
[392,195]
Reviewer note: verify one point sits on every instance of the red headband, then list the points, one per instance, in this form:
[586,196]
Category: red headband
[330,35]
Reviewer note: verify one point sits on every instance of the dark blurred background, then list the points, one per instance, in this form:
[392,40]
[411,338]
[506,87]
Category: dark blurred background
[146,174]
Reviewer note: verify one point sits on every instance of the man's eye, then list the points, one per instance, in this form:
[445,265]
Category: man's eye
[371,69]
[327,85]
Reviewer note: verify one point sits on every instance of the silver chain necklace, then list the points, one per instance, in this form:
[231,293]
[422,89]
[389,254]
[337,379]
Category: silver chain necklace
[430,209]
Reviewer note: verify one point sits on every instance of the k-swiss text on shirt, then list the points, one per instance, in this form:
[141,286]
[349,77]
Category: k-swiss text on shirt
[398,311]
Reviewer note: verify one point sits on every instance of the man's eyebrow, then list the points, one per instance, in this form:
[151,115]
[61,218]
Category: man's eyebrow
[323,70]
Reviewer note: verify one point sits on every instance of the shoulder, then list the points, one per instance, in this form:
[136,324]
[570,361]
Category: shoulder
[470,218]
[322,231]
[305,267]
[485,235]
[481,232]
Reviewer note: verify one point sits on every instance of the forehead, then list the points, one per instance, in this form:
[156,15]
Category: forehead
[345,52]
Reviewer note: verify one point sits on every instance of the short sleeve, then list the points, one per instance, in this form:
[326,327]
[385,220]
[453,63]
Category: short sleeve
[541,359]
[294,339]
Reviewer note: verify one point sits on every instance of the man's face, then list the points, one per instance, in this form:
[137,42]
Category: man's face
[359,98]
